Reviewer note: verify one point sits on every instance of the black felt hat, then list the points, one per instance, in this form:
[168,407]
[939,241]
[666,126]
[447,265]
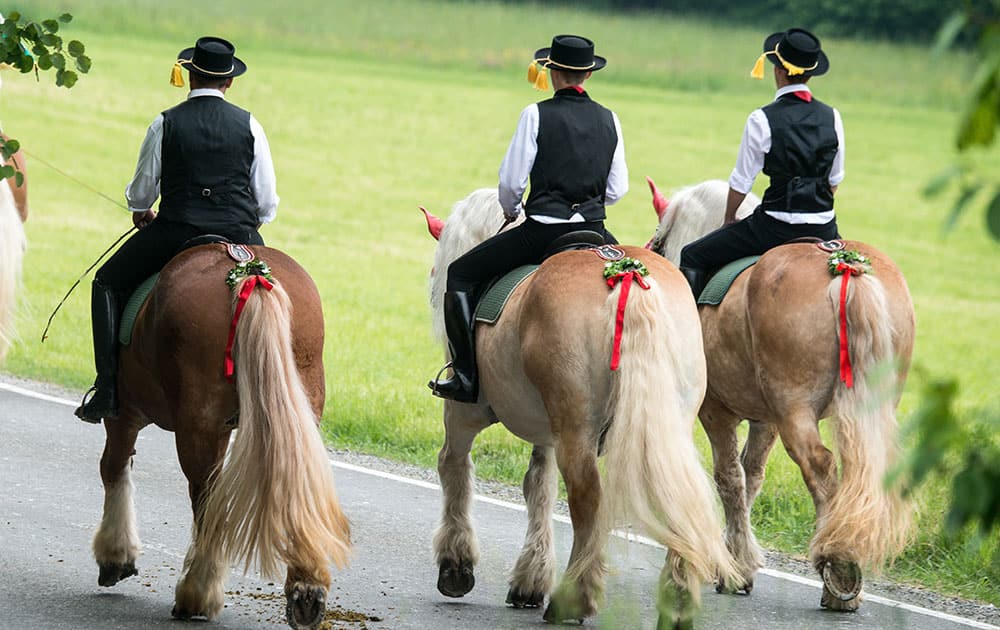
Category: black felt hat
[572,53]
[212,57]
[796,50]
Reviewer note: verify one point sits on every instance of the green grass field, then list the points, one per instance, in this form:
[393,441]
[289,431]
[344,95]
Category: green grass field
[375,108]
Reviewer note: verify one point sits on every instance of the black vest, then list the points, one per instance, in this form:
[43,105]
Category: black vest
[576,144]
[207,153]
[803,146]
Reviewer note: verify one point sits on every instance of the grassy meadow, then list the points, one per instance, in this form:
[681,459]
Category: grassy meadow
[374,108]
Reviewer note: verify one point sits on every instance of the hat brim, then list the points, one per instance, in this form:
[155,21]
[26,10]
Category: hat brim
[542,58]
[185,56]
[822,63]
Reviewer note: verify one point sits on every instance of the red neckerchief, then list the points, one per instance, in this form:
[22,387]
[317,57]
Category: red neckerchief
[578,88]
[805,95]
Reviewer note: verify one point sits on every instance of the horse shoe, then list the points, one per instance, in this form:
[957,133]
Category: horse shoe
[831,584]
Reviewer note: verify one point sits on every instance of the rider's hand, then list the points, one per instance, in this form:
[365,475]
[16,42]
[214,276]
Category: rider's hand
[142,219]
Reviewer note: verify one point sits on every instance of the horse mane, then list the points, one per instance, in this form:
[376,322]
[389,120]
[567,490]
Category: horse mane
[472,221]
[693,212]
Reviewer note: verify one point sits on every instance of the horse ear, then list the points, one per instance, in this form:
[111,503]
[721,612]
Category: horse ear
[660,202]
[434,224]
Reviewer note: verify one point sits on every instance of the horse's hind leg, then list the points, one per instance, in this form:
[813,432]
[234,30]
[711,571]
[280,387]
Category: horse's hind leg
[455,546]
[116,543]
[582,587]
[532,577]
[758,447]
[199,591]
[800,435]
[720,425]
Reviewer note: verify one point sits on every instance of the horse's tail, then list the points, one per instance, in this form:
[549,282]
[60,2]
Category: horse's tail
[654,475]
[865,520]
[274,500]
[12,246]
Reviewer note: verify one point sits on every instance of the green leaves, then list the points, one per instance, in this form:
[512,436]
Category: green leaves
[33,46]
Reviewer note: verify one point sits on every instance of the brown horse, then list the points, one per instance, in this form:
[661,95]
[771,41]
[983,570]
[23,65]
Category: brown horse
[773,353]
[544,374]
[13,214]
[273,501]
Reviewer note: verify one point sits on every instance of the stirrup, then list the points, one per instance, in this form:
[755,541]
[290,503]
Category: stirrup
[81,411]
[437,379]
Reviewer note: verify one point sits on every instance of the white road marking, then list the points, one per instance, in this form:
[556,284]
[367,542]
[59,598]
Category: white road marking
[563,519]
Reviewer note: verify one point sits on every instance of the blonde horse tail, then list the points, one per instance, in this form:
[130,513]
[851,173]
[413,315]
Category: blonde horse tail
[865,520]
[654,477]
[274,501]
[12,246]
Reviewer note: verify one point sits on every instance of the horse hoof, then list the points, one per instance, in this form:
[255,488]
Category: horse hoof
[455,579]
[111,574]
[562,610]
[520,599]
[842,578]
[722,588]
[306,606]
[663,623]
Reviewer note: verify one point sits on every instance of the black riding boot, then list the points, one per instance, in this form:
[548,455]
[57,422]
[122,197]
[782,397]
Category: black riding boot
[101,401]
[463,386]
[697,279]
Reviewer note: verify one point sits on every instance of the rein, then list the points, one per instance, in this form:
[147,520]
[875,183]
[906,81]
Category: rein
[45,333]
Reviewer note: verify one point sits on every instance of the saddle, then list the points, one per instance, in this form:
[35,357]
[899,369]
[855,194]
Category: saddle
[494,299]
[239,253]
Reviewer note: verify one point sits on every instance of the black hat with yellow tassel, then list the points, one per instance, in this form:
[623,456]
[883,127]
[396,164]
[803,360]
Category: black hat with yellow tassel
[571,53]
[211,57]
[796,50]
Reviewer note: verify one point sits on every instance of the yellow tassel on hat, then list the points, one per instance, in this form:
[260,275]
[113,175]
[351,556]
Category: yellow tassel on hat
[542,80]
[176,78]
[758,68]
[532,72]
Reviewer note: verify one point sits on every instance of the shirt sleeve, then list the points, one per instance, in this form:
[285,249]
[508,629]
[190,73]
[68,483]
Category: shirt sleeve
[755,144]
[618,176]
[837,171]
[142,192]
[516,166]
[262,179]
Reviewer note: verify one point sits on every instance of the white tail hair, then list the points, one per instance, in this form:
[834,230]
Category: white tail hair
[472,221]
[274,500]
[12,246]
[654,475]
[693,212]
[865,520]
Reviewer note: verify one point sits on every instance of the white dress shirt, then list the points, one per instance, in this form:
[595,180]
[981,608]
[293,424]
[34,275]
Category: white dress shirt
[515,170]
[144,189]
[756,143]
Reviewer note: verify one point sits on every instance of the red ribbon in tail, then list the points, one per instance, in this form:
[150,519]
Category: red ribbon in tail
[846,372]
[245,292]
[626,280]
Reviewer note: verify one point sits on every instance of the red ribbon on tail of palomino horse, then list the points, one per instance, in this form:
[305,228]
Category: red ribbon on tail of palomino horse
[626,280]
[846,372]
[241,301]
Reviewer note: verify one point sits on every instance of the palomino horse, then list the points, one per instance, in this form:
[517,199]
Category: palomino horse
[772,348]
[13,214]
[273,501]
[544,373]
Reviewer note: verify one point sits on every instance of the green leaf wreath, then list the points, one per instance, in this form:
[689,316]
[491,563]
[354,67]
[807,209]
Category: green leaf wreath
[616,267]
[850,257]
[244,269]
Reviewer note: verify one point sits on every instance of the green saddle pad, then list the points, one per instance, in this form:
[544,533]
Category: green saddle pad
[132,309]
[491,305]
[719,284]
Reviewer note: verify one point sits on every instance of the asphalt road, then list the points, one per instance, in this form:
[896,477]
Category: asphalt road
[51,503]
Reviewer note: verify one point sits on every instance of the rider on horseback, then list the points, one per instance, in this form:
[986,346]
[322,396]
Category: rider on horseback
[799,143]
[210,164]
[572,150]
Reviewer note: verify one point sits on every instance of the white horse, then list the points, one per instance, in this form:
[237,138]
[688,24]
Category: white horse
[775,349]
[13,213]
[544,373]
